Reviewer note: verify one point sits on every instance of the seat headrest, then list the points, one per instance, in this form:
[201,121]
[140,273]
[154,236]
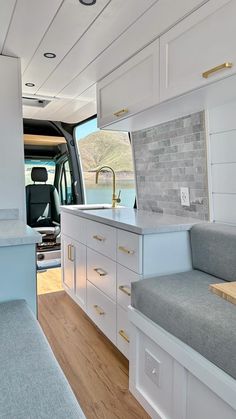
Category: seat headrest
[39,174]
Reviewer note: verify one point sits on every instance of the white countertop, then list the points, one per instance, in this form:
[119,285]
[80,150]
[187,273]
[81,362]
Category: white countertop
[16,232]
[133,220]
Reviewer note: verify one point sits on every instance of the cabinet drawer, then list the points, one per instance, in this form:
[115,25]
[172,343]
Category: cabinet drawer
[124,278]
[123,331]
[102,311]
[203,41]
[74,227]
[131,88]
[102,238]
[129,250]
[101,271]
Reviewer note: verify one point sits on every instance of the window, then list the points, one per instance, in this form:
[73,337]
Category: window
[97,148]
[48,164]
[65,189]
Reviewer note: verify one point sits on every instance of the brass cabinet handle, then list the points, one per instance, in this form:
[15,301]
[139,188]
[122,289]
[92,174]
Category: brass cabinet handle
[99,310]
[99,238]
[100,271]
[69,251]
[121,112]
[213,70]
[125,250]
[126,290]
[123,335]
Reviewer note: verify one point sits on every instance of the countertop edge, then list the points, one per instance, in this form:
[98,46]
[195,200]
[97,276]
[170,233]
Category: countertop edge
[133,229]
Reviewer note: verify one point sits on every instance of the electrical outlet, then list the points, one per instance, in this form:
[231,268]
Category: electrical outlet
[185,199]
[152,368]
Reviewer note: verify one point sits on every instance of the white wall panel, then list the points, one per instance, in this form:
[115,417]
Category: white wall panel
[12,181]
[222,128]
[224,178]
[223,146]
[224,208]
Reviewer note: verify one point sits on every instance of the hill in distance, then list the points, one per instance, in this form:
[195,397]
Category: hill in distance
[106,148]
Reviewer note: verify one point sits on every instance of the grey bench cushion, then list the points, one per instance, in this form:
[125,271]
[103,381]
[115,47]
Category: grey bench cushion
[32,385]
[214,249]
[183,306]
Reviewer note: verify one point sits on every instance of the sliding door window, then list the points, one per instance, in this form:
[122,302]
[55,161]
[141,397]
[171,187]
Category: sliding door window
[97,148]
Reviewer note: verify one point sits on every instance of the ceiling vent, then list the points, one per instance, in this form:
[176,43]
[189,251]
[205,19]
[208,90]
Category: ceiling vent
[35,102]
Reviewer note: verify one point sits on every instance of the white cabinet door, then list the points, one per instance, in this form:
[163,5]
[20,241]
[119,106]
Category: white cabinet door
[68,251]
[199,50]
[80,274]
[132,88]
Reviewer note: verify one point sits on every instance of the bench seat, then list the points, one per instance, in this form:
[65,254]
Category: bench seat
[32,385]
[183,305]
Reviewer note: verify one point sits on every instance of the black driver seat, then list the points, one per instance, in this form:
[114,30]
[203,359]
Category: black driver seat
[42,204]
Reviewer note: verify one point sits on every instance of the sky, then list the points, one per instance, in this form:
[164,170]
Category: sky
[87,128]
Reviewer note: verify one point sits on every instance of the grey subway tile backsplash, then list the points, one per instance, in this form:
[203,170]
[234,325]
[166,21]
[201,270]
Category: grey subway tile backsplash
[167,157]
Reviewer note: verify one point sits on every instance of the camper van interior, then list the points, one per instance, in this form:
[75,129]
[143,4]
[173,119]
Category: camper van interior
[118,209]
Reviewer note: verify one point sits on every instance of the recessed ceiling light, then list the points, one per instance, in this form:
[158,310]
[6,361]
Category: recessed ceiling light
[30,84]
[49,55]
[87,2]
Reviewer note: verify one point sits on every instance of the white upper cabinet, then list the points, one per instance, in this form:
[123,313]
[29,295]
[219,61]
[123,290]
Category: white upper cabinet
[199,50]
[131,88]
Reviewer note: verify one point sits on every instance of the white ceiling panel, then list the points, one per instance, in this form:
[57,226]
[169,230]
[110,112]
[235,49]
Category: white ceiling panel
[71,21]
[115,19]
[30,22]
[7,8]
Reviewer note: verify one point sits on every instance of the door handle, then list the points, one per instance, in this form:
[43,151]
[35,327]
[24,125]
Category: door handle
[213,70]
[100,271]
[121,112]
[126,290]
[125,250]
[99,310]
[123,335]
[99,238]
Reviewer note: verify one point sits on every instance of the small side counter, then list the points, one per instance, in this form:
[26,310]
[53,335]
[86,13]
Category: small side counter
[18,262]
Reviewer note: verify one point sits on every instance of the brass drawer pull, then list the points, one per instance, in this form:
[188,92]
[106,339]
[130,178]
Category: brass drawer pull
[100,271]
[99,238]
[213,70]
[125,250]
[123,335]
[99,310]
[121,112]
[125,290]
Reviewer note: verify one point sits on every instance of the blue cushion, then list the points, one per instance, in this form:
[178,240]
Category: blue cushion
[32,385]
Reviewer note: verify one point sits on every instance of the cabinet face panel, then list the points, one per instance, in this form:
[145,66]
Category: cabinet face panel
[102,238]
[201,42]
[80,273]
[102,311]
[68,254]
[74,227]
[101,271]
[129,250]
[123,331]
[132,87]
[124,278]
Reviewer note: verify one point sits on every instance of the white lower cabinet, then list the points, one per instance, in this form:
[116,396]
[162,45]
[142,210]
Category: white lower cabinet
[102,310]
[74,269]
[98,273]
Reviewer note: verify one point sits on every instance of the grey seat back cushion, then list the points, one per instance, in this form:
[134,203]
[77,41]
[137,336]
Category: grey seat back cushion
[214,249]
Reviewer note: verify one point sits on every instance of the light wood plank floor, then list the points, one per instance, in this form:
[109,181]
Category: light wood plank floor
[95,369]
[49,281]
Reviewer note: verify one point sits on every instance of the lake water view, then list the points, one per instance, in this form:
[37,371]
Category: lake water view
[102,193]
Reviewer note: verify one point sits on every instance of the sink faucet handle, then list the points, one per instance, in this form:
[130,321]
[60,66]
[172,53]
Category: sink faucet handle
[118,199]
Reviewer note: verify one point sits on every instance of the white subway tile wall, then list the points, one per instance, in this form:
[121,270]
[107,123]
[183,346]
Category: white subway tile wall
[167,157]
